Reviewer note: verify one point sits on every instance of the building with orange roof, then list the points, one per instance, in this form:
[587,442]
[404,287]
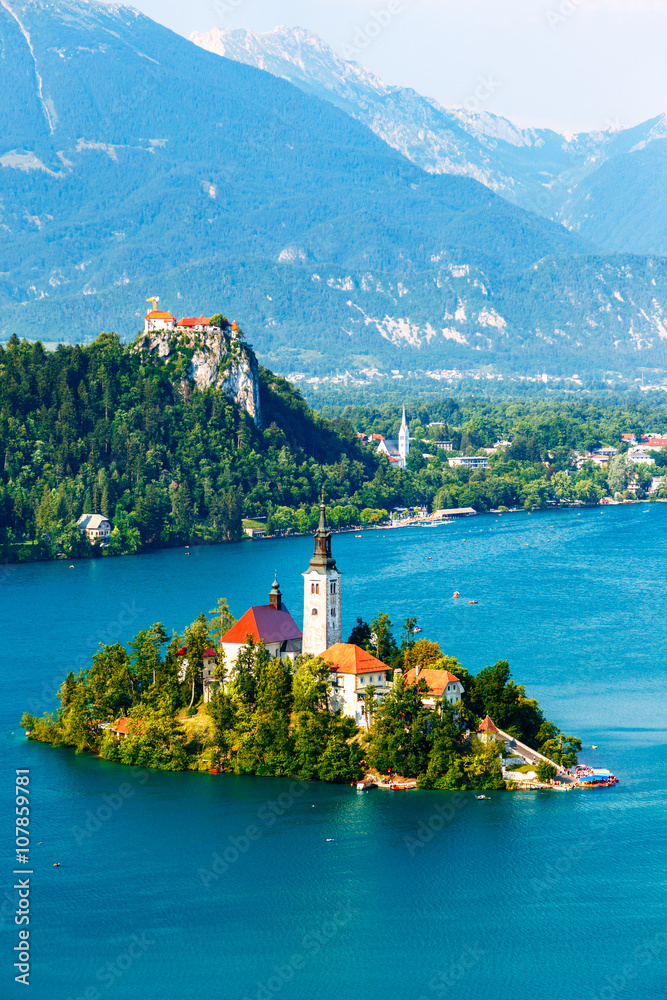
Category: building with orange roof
[351,671]
[199,324]
[269,623]
[487,730]
[158,320]
[441,684]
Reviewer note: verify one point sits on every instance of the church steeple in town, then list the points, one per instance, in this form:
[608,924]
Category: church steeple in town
[403,441]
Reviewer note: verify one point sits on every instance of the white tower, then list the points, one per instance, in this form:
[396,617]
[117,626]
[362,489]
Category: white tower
[322,626]
[403,441]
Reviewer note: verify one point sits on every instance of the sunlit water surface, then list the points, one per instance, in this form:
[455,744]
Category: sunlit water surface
[196,885]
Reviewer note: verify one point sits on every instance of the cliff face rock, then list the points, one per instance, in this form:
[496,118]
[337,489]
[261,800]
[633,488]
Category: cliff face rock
[212,359]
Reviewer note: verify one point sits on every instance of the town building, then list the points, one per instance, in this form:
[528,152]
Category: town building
[470,461]
[200,324]
[351,672]
[269,623]
[96,526]
[322,624]
[441,684]
[640,456]
[443,445]
[488,731]
[452,512]
[397,449]
[654,443]
[156,319]
[209,664]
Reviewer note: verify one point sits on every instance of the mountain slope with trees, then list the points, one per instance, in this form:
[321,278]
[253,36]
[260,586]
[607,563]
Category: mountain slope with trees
[143,164]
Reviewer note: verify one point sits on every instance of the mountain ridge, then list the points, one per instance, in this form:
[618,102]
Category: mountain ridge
[569,178]
[162,167]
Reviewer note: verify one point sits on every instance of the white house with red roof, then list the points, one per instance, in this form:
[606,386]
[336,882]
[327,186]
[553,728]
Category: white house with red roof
[269,623]
[441,684]
[351,671]
[200,324]
[156,319]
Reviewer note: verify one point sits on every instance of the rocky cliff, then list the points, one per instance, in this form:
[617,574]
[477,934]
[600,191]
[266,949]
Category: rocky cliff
[216,358]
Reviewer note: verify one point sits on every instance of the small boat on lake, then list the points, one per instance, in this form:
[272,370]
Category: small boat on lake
[365,785]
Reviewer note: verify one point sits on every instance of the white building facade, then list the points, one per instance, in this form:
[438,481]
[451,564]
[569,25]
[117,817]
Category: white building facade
[322,625]
[352,670]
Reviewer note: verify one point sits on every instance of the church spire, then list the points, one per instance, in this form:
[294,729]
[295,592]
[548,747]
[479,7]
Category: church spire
[322,559]
[275,597]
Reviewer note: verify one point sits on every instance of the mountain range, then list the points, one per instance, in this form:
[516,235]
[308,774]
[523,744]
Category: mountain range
[134,162]
[608,186]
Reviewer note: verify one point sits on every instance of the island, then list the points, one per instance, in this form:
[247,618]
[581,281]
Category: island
[262,696]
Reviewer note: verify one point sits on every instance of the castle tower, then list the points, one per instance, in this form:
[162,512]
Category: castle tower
[403,441]
[322,626]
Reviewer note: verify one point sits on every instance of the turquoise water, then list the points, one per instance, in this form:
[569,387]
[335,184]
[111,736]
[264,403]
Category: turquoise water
[175,885]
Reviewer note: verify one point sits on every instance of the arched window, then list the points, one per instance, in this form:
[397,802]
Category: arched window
[314,611]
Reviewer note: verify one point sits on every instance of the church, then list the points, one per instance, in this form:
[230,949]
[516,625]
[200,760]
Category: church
[397,450]
[351,669]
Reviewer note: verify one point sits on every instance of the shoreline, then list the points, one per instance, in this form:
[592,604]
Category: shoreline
[421,523]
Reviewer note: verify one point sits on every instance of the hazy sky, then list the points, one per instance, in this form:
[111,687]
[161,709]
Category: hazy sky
[570,64]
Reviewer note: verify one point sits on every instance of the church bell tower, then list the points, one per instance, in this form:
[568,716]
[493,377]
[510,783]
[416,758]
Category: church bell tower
[403,441]
[322,626]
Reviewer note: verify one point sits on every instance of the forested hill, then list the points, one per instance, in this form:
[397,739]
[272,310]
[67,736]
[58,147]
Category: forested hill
[111,429]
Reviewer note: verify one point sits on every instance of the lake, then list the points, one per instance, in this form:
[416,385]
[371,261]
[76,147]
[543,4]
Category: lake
[229,887]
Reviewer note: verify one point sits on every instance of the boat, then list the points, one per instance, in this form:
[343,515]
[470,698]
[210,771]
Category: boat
[481,796]
[365,785]
[473,602]
[594,777]
[456,593]
[594,747]
[417,629]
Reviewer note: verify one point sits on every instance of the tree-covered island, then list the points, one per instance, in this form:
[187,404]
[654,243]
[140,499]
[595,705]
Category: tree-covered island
[143,705]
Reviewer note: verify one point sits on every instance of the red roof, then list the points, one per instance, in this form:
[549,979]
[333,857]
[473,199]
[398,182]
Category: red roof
[437,680]
[265,624]
[122,726]
[192,321]
[346,658]
[209,652]
[487,726]
[156,314]
[182,651]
